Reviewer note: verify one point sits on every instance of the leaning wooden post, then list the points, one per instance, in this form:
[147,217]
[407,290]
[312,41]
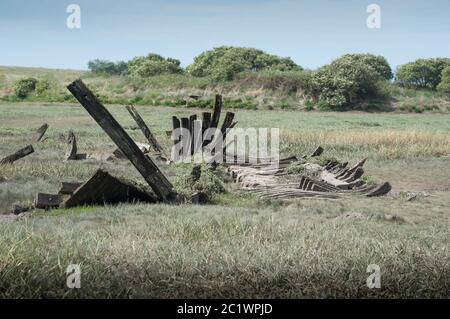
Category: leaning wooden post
[144,128]
[39,133]
[151,173]
[217,110]
[17,155]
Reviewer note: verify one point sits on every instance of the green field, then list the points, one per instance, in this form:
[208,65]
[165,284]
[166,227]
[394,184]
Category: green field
[238,246]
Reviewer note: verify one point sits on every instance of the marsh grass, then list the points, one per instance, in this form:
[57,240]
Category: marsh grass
[240,246]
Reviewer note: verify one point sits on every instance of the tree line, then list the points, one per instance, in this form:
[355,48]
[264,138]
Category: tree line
[346,80]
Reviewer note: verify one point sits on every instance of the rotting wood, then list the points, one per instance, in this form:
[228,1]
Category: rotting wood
[193,133]
[317,152]
[145,130]
[48,201]
[206,121]
[103,188]
[37,136]
[27,150]
[72,149]
[381,190]
[217,110]
[151,173]
[68,188]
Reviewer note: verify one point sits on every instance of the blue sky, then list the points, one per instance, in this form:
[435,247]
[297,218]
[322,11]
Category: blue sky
[312,33]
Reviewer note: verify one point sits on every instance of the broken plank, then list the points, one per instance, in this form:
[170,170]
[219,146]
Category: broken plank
[72,149]
[68,188]
[149,170]
[47,201]
[144,128]
[37,136]
[217,111]
[27,150]
[317,152]
[103,188]
[381,190]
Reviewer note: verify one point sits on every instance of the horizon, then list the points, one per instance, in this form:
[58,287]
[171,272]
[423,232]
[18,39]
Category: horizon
[312,34]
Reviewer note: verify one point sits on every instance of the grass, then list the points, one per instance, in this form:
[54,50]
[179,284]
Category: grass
[240,246]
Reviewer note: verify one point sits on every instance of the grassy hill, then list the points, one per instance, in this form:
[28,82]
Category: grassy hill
[264,90]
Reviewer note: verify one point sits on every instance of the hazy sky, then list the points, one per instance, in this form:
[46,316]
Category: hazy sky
[312,33]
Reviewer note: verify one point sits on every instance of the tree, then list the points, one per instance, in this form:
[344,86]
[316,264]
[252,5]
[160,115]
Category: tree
[422,73]
[349,79]
[224,63]
[444,86]
[153,64]
[108,67]
[378,63]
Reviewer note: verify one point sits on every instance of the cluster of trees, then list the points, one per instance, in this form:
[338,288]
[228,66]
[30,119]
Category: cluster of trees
[225,62]
[108,67]
[220,64]
[422,73]
[345,81]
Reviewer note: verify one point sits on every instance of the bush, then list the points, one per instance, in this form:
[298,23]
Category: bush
[444,86]
[349,79]
[42,86]
[24,87]
[378,64]
[108,67]
[224,63]
[422,73]
[153,64]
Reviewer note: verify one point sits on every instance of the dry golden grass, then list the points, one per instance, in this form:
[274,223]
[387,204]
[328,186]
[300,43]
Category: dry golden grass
[382,143]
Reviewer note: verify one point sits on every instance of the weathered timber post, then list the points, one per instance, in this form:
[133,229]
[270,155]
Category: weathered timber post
[151,173]
[144,128]
[37,136]
[17,155]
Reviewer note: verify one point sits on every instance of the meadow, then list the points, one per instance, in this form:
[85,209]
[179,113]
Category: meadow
[237,246]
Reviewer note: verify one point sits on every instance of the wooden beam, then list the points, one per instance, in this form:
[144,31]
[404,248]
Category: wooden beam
[151,173]
[206,121]
[144,128]
[37,136]
[317,152]
[217,111]
[192,120]
[47,201]
[68,188]
[175,125]
[71,153]
[18,155]
[104,188]
[227,122]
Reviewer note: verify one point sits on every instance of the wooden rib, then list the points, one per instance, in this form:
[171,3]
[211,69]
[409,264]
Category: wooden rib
[37,136]
[27,150]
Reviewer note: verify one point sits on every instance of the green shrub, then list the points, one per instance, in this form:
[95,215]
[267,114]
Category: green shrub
[153,64]
[107,67]
[444,86]
[309,105]
[348,80]
[422,73]
[24,87]
[43,86]
[211,182]
[224,63]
